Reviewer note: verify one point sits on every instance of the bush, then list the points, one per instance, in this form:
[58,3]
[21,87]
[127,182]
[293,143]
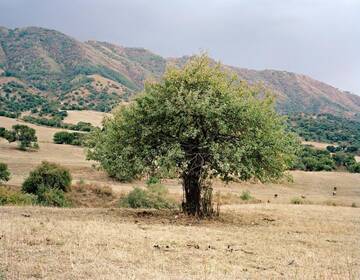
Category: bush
[47,175]
[4,173]
[297,200]
[15,198]
[245,195]
[70,138]
[52,197]
[354,168]
[155,196]
[152,181]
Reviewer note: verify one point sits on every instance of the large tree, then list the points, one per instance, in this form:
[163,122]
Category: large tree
[198,123]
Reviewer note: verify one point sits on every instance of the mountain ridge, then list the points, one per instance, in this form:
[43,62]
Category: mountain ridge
[98,75]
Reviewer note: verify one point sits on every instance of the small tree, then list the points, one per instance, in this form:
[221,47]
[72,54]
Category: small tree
[26,136]
[47,176]
[198,123]
[4,173]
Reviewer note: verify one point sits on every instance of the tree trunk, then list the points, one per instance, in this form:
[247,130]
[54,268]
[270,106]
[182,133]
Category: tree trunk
[192,189]
[198,196]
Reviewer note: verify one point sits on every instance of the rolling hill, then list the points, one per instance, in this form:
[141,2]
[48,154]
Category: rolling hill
[49,70]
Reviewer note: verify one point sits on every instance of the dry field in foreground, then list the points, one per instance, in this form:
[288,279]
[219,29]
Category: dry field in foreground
[246,242]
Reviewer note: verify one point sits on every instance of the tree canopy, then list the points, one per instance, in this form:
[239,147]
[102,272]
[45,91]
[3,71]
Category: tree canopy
[197,123]
[26,136]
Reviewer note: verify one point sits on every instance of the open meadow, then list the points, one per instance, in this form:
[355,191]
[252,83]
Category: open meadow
[264,238]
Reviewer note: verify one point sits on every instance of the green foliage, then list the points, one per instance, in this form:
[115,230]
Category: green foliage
[354,167]
[4,173]
[9,197]
[195,111]
[245,195]
[152,181]
[311,159]
[52,197]
[197,123]
[326,128]
[56,122]
[47,176]
[70,138]
[155,196]
[25,135]
[297,200]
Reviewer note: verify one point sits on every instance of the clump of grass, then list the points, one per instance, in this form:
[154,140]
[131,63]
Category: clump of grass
[330,203]
[297,200]
[353,205]
[154,196]
[245,195]
[10,197]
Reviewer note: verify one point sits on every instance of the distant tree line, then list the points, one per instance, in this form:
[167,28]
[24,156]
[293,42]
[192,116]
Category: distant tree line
[310,159]
[326,128]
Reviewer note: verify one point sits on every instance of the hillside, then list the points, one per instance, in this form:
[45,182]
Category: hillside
[50,70]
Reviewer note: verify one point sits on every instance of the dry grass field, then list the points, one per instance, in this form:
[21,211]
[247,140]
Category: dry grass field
[271,239]
[246,242]
[93,117]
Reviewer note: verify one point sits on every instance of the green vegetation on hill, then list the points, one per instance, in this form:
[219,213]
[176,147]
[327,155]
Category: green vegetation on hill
[311,159]
[55,68]
[326,128]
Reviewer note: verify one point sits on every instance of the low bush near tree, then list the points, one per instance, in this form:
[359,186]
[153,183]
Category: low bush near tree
[47,175]
[154,196]
[49,182]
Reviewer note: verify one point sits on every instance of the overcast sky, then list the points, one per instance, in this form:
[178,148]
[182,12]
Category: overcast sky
[320,38]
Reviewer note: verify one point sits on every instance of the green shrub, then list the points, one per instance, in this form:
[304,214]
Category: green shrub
[4,173]
[354,168]
[52,197]
[152,181]
[155,196]
[47,175]
[70,138]
[245,195]
[297,200]
[354,205]
[8,197]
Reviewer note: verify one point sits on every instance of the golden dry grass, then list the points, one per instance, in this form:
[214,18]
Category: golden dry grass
[317,145]
[93,117]
[248,242]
